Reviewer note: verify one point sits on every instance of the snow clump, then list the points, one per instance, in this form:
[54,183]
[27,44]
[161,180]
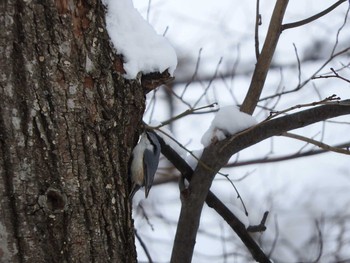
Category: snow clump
[142,48]
[228,121]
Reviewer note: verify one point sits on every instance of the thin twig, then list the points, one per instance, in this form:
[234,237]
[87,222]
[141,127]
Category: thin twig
[299,66]
[312,18]
[144,247]
[320,238]
[303,84]
[335,75]
[181,146]
[187,150]
[331,98]
[317,143]
[194,73]
[284,158]
[244,176]
[210,82]
[257,24]
[186,113]
[148,10]
[223,242]
[145,216]
[165,31]
[238,194]
[339,30]
[152,104]
[171,90]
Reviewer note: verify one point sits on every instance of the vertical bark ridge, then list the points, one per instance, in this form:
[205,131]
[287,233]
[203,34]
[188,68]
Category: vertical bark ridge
[67,127]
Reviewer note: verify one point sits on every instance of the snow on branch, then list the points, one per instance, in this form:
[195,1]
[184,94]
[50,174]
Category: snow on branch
[228,121]
[143,50]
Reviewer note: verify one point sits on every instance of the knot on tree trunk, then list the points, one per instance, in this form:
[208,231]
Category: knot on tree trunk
[53,200]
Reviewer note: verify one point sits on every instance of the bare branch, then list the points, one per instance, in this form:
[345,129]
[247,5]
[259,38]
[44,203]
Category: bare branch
[238,194]
[322,145]
[148,10]
[320,238]
[214,203]
[257,24]
[339,30]
[186,113]
[333,97]
[242,71]
[286,157]
[210,82]
[171,91]
[299,65]
[335,75]
[264,61]
[303,84]
[217,155]
[194,73]
[143,245]
[312,18]
[261,227]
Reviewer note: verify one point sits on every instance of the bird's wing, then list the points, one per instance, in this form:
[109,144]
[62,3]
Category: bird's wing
[150,167]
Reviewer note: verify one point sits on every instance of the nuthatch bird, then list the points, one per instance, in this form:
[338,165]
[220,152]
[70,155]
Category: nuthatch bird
[144,163]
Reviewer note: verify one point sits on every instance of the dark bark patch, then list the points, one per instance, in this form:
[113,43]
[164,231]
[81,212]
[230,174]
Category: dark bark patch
[118,65]
[62,6]
[53,200]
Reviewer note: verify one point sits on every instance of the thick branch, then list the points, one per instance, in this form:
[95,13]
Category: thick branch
[217,155]
[264,61]
[280,125]
[215,203]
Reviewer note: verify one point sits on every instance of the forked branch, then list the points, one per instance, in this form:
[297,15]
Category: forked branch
[214,202]
[264,60]
[217,155]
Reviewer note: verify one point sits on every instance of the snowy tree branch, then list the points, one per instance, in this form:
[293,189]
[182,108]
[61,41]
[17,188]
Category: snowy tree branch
[217,155]
[280,125]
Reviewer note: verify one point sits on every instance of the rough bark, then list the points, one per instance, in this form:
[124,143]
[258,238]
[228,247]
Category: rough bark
[68,122]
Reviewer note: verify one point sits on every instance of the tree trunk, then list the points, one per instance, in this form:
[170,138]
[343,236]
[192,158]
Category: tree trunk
[68,123]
